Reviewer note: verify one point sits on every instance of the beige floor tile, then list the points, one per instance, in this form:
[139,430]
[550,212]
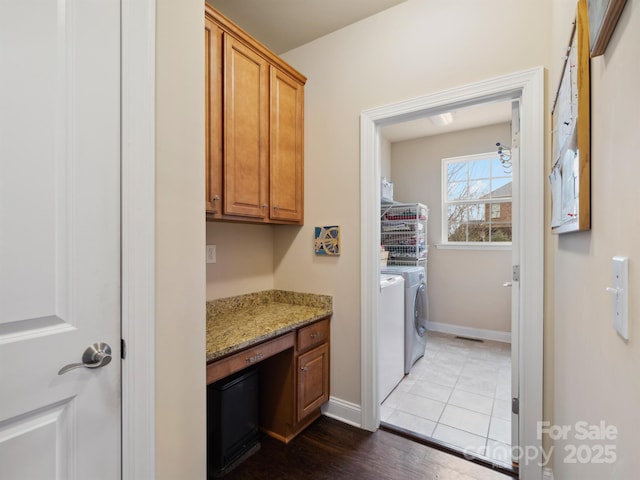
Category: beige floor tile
[431,390]
[439,378]
[385,412]
[458,393]
[419,406]
[503,391]
[498,451]
[471,401]
[405,385]
[412,423]
[500,430]
[467,420]
[478,385]
[501,409]
[467,442]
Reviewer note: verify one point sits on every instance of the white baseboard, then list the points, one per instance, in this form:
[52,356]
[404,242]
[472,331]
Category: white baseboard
[343,411]
[470,332]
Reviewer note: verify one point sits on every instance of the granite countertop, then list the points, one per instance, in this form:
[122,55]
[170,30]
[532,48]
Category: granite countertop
[235,323]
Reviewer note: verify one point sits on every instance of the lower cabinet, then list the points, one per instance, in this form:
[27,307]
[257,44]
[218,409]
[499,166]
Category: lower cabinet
[313,380]
[295,383]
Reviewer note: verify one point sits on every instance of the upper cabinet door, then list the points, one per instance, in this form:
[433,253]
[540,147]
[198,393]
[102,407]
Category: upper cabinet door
[254,129]
[213,117]
[286,147]
[246,130]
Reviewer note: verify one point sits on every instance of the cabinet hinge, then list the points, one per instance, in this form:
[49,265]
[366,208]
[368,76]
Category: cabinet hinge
[123,349]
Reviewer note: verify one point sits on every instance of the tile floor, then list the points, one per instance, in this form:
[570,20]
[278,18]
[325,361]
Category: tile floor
[458,393]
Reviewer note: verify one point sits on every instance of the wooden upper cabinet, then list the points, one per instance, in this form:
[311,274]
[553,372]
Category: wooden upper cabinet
[254,129]
[213,117]
[246,131]
[286,147]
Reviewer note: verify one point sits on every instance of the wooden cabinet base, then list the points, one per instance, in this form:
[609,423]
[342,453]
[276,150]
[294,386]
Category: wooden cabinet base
[289,435]
[294,377]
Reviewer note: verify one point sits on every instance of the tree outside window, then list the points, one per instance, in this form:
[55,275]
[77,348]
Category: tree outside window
[477,202]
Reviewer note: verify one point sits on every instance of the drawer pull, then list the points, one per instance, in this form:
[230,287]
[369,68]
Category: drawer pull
[255,358]
[316,335]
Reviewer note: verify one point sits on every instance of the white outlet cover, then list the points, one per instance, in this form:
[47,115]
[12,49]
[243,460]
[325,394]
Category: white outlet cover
[211,254]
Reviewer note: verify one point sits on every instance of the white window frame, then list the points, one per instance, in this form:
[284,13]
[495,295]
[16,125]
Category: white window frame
[445,242]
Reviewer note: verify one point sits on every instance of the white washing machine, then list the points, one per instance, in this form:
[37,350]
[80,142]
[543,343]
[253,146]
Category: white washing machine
[416,311]
[390,334]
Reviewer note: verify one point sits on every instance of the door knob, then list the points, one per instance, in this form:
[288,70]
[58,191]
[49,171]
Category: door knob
[95,356]
[507,284]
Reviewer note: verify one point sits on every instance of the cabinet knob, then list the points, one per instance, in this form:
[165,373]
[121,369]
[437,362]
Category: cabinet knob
[265,205]
[216,198]
[304,369]
[276,207]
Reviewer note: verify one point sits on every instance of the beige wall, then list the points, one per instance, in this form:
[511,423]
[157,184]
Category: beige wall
[595,375]
[416,48]
[180,276]
[465,289]
[244,259]
[385,158]
[474,275]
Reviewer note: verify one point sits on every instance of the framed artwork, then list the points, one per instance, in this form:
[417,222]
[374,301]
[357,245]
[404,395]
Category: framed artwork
[327,240]
[603,17]
[570,176]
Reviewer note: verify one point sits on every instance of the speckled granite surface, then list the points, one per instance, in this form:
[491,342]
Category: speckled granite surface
[235,323]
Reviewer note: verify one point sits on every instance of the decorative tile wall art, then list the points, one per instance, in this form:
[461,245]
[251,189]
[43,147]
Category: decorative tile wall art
[327,240]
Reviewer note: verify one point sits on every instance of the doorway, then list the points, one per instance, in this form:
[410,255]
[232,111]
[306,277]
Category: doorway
[459,393]
[528,87]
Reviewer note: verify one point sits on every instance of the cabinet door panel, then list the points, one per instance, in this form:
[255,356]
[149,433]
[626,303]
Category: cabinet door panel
[246,127]
[286,147]
[213,117]
[313,380]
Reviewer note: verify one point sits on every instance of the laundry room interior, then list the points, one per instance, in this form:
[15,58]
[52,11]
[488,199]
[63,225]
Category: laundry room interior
[457,391]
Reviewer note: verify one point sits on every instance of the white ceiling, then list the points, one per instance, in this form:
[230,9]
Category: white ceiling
[471,117]
[283,25]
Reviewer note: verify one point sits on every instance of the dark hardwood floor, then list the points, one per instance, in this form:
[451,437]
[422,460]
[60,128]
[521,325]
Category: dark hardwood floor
[330,449]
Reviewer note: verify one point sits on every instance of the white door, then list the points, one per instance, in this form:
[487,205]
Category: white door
[515,289]
[59,238]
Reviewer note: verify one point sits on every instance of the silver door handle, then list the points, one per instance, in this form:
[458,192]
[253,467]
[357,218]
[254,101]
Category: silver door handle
[95,356]
[507,284]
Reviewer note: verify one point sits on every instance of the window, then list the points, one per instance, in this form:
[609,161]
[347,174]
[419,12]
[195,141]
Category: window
[476,203]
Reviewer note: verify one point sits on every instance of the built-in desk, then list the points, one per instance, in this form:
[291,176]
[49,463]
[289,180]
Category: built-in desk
[286,334]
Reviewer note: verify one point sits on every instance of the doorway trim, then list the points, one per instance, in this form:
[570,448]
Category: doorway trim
[528,85]
[138,238]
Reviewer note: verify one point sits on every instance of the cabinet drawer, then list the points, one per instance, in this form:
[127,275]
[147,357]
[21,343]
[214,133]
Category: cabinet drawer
[250,356]
[313,335]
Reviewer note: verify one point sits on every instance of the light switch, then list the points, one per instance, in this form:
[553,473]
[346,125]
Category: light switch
[620,295]
[211,254]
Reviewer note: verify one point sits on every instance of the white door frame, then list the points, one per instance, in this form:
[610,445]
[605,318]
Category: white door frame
[528,85]
[138,239]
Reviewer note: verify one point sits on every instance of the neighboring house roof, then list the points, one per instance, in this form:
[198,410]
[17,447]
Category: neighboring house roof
[503,191]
